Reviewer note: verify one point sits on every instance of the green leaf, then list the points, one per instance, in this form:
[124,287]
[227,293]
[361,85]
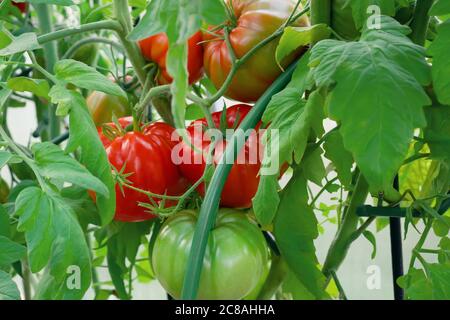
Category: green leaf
[292,288]
[440,8]
[437,132]
[10,251]
[177,68]
[294,38]
[339,156]
[440,280]
[24,42]
[7,157]
[83,135]
[178,19]
[416,285]
[83,76]
[295,228]
[53,163]
[413,175]
[8,289]
[360,9]
[377,96]
[54,238]
[441,229]
[313,167]
[371,238]
[39,87]
[439,49]
[266,200]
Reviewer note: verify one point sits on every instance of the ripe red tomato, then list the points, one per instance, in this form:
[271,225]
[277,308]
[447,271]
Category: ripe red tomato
[21,5]
[155,49]
[242,183]
[146,157]
[255,21]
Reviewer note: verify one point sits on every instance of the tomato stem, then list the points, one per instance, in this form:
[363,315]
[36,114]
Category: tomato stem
[83,42]
[93,26]
[420,21]
[51,56]
[345,235]
[210,206]
[320,12]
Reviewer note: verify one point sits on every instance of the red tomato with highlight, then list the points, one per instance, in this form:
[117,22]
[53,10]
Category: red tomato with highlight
[155,49]
[255,21]
[21,5]
[146,159]
[242,183]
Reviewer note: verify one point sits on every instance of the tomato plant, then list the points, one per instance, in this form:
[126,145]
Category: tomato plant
[124,159]
[237,261]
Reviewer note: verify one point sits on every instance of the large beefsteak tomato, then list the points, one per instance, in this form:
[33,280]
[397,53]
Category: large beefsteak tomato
[255,21]
[236,255]
[145,159]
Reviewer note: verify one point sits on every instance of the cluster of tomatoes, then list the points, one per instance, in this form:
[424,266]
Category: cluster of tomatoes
[237,260]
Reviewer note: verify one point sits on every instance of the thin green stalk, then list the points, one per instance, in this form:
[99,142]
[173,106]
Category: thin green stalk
[339,247]
[209,209]
[421,241]
[23,156]
[51,56]
[420,21]
[79,44]
[122,14]
[26,279]
[277,274]
[94,26]
[320,11]
[342,294]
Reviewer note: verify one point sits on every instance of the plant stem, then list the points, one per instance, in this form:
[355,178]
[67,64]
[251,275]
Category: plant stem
[420,21]
[320,11]
[329,183]
[342,294]
[122,13]
[51,56]
[26,279]
[77,45]
[210,206]
[277,274]
[421,241]
[94,26]
[343,239]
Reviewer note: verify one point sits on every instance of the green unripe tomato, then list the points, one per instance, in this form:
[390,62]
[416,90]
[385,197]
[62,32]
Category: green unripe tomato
[102,106]
[235,261]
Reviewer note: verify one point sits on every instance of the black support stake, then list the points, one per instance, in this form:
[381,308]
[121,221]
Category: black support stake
[396,251]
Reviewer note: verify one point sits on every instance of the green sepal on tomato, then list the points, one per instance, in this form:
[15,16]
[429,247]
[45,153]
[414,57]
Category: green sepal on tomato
[253,21]
[144,159]
[235,260]
[242,182]
[154,48]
